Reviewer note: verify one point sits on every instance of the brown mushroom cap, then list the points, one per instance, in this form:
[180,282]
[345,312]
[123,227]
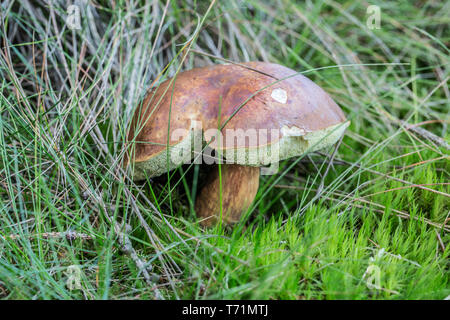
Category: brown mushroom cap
[304,114]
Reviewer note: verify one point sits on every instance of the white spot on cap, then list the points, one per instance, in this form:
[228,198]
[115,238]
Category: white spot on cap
[279,95]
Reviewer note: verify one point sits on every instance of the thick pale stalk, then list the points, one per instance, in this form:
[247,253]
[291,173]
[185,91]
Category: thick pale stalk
[239,187]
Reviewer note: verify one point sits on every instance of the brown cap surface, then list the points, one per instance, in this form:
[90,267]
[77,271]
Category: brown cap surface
[296,102]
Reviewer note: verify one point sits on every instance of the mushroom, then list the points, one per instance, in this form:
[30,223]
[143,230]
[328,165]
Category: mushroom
[251,115]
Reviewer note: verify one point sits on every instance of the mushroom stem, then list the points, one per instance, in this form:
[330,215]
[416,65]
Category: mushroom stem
[239,187]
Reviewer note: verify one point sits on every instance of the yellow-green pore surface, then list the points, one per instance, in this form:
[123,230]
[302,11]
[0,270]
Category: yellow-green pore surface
[268,118]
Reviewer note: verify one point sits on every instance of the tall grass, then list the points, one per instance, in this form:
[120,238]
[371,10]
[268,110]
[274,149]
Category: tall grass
[381,200]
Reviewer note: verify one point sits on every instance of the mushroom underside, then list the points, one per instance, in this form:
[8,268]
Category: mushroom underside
[287,147]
